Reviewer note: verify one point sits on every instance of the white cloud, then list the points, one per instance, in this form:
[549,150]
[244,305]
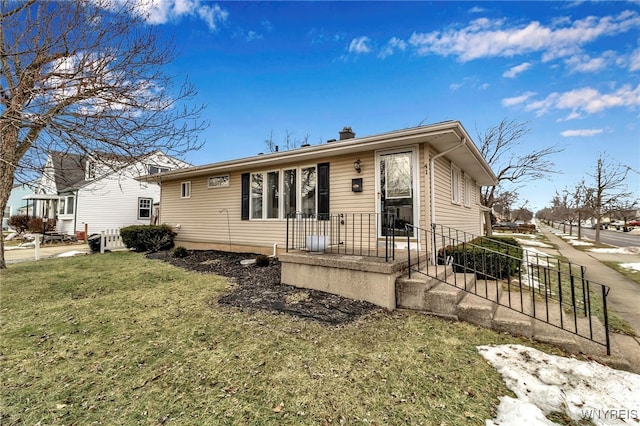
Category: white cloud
[584,63]
[634,60]
[476,9]
[392,45]
[581,132]
[517,100]
[587,100]
[513,71]
[360,45]
[490,38]
[158,12]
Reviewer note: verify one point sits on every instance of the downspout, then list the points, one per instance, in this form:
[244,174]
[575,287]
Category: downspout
[432,195]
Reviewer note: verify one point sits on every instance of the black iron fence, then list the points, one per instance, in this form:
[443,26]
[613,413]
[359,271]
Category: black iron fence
[361,234]
[528,281]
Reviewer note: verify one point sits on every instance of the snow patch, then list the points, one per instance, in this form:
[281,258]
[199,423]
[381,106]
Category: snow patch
[71,253]
[633,266]
[547,383]
[533,243]
[617,250]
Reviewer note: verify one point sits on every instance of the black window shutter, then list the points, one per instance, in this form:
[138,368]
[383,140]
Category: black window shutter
[245,196]
[323,191]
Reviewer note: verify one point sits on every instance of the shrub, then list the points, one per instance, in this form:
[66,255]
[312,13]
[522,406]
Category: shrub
[36,225]
[19,223]
[496,257]
[148,237]
[262,260]
[180,252]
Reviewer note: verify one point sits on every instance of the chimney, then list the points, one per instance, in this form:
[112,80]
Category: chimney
[347,133]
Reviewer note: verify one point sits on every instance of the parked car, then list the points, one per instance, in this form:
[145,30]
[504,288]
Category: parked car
[635,222]
[505,225]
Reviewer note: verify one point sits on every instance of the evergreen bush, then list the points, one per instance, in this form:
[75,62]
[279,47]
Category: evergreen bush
[148,238]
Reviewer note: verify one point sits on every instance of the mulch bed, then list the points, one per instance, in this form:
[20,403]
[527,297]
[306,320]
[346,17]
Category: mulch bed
[258,287]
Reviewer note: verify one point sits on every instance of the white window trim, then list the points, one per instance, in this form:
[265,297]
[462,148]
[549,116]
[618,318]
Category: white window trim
[150,208]
[455,186]
[183,185]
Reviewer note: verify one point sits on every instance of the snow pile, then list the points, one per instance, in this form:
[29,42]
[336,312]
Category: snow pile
[71,253]
[533,243]
[546,383]
[617,250]
[579,243]
[634,266]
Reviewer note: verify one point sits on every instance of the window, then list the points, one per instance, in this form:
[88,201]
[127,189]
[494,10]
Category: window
[66,205]
[308,190]
[144,208]
[153,170]
[90,172]
[273,189]
[455,184]
[256,195]
[185,190]
[290,191]
[468,186]
[218,181]
[279,193]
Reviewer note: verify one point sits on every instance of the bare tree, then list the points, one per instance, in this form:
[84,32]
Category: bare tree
[86,77]
[499,147]
[609,186]
[289,141]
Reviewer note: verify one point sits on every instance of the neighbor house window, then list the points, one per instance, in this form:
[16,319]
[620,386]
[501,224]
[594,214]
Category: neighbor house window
[153,170]
[144,208]
[468,186]
[455,184]
[185,190]
[66,205]
[90,172]
[257,187]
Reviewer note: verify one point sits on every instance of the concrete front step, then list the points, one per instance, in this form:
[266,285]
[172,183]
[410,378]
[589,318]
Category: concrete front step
[512,322]
[476,310]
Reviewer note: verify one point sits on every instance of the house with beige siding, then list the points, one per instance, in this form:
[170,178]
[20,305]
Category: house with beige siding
[418,176]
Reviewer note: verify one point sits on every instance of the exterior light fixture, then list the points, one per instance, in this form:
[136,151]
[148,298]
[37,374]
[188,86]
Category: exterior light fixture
[356,166]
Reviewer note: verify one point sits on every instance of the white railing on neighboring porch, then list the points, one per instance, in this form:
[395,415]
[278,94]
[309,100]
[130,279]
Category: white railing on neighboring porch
[111,240]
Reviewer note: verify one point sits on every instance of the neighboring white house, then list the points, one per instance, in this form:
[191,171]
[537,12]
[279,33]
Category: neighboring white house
[96,193]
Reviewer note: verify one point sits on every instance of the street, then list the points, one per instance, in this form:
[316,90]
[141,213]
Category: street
[607,236]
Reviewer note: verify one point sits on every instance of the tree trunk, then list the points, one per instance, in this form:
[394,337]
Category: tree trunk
[7,170]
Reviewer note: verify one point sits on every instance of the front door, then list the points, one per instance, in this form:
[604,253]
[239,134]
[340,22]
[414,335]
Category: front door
[397,190]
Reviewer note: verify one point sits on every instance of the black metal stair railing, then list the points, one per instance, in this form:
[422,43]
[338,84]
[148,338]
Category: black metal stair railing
[527,281]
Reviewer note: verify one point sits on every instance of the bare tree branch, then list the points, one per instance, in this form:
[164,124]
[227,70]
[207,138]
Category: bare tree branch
[86,77]
[499,145]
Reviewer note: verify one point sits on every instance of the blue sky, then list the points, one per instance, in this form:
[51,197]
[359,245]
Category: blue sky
[310,68]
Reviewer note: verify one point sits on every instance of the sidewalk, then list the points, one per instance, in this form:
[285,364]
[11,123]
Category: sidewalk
[624,296]
[13,255]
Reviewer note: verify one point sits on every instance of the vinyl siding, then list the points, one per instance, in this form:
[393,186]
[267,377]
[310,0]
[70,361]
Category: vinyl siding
[202,219]
[449,213]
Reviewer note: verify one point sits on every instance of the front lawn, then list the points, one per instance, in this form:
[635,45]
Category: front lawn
[121,339]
